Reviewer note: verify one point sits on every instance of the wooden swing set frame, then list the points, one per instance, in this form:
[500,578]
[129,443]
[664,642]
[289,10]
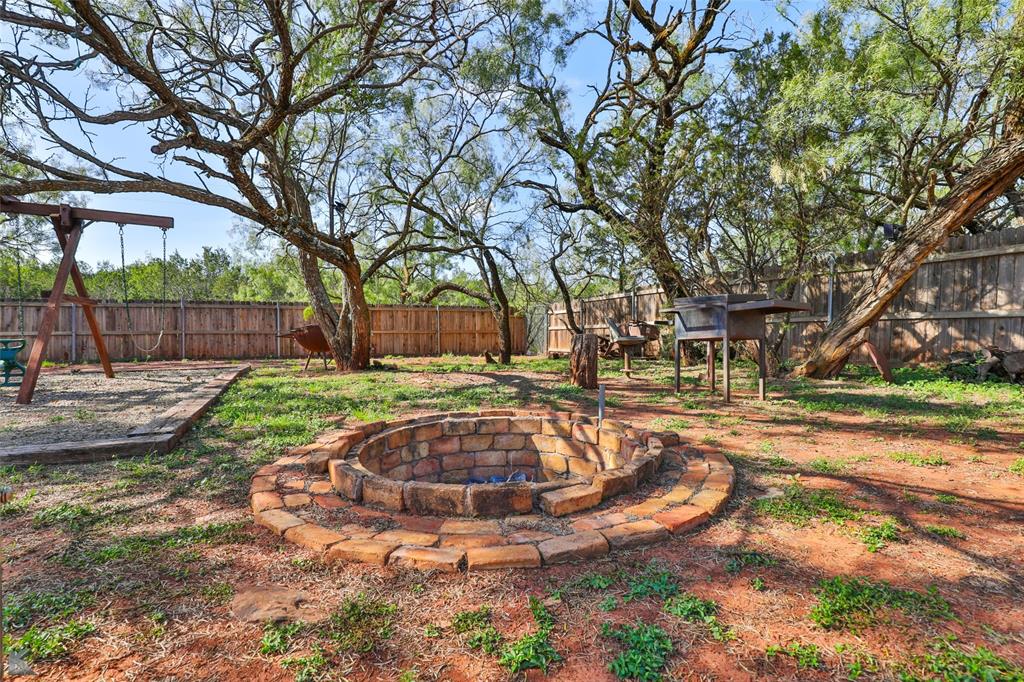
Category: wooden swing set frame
[69,223]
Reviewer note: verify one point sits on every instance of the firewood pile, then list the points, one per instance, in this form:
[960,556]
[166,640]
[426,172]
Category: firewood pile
[985,363]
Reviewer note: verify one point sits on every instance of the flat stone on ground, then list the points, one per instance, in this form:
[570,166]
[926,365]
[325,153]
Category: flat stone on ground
[278,520]
[634,534]
[407,537]
[365,551]
[465,541]
[427,558]
[710,500]
[681,519]
[262,603]
[266,500]
[312,536]
[586,545]
[510,556]
[572,499]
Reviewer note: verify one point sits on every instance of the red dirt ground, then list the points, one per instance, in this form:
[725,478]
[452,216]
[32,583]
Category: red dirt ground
[159,616]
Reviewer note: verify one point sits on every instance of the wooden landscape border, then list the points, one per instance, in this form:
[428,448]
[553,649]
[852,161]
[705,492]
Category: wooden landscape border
[161,435]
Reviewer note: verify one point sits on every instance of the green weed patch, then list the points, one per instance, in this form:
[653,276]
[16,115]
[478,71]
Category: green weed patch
[877,537]
[647,650]
[948,532]
[805,655]
[693,609]
[362,623]
[799,505]
[851,603]
[534,650]
[945,661]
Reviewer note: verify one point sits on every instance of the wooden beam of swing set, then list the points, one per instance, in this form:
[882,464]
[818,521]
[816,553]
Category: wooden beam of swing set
[10,204]
[68,223]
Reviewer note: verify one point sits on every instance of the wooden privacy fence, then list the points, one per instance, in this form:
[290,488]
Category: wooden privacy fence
[967,295]
[221,330]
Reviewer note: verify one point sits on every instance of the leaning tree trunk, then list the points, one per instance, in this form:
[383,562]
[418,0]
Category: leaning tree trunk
[348,333]
[583,360]
[359,311]
[994,173]
[500,307]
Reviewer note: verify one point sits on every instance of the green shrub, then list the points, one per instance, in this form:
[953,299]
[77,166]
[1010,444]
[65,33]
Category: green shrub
[652,580]
[917,460]
[744,558]
[693,609]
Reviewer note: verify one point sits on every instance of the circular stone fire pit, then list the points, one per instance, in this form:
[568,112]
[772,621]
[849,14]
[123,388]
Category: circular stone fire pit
[491,466]
[494,489]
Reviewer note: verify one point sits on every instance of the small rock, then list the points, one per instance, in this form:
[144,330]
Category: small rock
[260,603]
[16,665]
[771,492]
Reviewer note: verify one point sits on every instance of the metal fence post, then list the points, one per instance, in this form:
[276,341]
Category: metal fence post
[181,323]
[437,319]
[831,289]
[277,326]
[74,334]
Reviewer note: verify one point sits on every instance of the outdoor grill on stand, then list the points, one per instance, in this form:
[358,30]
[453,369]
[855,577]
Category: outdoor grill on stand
[726,318]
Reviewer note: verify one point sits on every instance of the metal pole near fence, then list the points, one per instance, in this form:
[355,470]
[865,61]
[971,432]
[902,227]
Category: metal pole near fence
[181,322]
[437,318]
[277,326]
[74,334]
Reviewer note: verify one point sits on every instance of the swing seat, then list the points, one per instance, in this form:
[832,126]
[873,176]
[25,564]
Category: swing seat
[9,349]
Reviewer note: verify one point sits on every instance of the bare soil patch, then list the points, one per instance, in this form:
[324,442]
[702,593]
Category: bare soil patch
[73,406]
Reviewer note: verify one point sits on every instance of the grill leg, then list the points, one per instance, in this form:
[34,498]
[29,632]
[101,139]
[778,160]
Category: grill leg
[726,392]
[711,365]
[308,358]
[625,362]
[762,370]
[679,345]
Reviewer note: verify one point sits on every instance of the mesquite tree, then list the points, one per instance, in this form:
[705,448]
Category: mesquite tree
[928,113]
[641,131]
[233,100]
[451,180]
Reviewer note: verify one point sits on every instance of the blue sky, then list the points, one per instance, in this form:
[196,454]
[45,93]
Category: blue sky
[197,225]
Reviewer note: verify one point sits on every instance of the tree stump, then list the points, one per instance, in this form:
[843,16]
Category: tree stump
[583,360]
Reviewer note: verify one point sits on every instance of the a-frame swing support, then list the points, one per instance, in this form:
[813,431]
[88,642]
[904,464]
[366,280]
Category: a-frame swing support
[68,223]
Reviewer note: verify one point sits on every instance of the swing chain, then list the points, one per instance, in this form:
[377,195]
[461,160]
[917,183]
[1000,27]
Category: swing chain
[127,308]
[21,295]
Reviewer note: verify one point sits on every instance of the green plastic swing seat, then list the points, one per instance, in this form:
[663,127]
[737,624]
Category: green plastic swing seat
[14,371]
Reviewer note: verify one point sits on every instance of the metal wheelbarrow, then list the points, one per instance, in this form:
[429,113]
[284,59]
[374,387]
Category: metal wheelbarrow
[312,339]
[9,349]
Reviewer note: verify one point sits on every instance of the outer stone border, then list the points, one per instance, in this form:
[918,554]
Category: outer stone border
[161,435]
[676,487]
